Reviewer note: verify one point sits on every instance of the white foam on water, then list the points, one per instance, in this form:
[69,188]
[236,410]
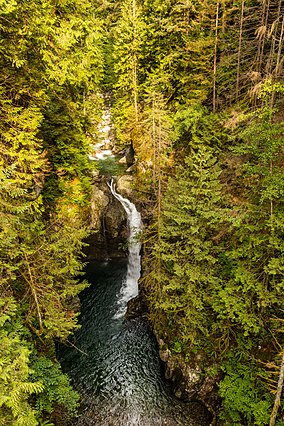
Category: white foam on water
[129,289]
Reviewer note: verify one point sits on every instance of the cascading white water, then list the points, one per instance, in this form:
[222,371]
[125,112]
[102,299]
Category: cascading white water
[117,369]
[102,149]
[129,289]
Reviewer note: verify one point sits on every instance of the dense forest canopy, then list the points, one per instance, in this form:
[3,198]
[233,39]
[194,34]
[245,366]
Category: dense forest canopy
[51,66]
[197,88]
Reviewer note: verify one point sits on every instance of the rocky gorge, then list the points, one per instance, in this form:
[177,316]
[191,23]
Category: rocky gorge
[108,240]
[108,219]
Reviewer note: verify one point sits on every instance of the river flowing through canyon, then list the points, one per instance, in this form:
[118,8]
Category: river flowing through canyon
[113,362]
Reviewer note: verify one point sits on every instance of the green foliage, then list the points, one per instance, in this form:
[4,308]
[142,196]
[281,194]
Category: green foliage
[218,257]
[217,265]
[255,279]
[177,347]
[52,62]
[179,49]
[29,390]
[244,401]
[129,36]
[64,140]
[155,144]
[57,389]
[15,384]
[50,267]
[52,65]
[195,125]
[193,215]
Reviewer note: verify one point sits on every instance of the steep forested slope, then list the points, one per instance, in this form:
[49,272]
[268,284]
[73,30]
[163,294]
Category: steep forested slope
[198,91]
[50,67]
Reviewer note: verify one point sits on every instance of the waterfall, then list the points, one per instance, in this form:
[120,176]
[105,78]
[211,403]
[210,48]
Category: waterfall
[129,287]
[117,370]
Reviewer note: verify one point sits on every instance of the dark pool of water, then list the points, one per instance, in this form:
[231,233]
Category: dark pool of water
[117,369]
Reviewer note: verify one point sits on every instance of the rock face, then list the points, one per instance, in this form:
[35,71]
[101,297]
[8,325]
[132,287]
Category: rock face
[99,204]
[115,223]
[189,381]
[129,155]
[108,221]
[124,186]
[136,308]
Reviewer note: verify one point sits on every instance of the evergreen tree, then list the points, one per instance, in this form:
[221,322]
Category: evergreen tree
[193,214]
[256,275]
[52,65]
[22,381]
[129,34]
[249,302]
[15,385]
[216,281]
[179,49]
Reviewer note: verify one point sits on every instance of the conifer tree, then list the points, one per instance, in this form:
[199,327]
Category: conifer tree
[180,49]
[193,213]
[52,64]
[256,276]
[129,34]
[249,302]
[15,384]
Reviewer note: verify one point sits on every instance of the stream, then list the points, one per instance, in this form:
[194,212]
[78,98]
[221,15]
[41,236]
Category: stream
[114,363]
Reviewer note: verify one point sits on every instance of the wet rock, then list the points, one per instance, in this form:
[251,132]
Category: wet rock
[208,394]
[186,379]
[136,308]
[165,354]
[122,160]
[189,380]
[108,220]
[129,155]
[99,203]
[124,186]
[95,174]
[130,169]
[115,220]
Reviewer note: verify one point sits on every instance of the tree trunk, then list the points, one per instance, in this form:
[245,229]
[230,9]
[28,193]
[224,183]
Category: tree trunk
[264,35]
[154,140]
[239,50]
[135,89]
[278,61]
[277,68]
[134,69]
[278,394]
[215,57]
[34,293]
[274,37]
[260,38]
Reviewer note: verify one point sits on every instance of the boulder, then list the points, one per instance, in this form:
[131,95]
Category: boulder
[115,220]
[108,220]
[189,381]
[124,186]
[99,202]
[122,160]
[136,308]
[129,155]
